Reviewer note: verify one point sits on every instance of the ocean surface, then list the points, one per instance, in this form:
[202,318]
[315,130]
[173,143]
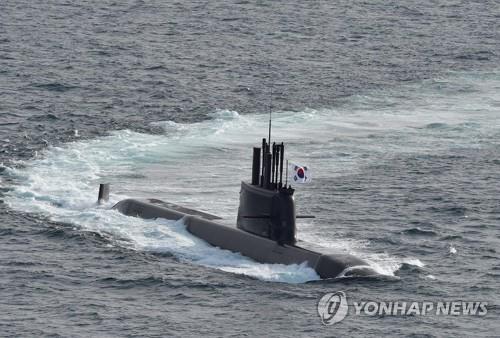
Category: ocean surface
[395,105]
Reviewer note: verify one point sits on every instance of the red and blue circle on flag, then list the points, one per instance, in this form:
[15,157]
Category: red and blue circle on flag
[300,173]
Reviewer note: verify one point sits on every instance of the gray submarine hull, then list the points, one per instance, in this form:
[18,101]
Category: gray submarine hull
[260,249]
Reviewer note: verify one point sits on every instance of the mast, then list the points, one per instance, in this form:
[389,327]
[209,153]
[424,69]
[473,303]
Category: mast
[269,160]
[270,113]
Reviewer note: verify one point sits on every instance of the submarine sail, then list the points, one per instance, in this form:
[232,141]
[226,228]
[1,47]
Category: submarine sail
[267,208]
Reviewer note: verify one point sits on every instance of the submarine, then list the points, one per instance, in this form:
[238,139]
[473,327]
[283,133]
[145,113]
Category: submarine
[266,222]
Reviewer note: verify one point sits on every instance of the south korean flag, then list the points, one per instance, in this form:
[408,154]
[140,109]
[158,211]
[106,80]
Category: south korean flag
[299,173]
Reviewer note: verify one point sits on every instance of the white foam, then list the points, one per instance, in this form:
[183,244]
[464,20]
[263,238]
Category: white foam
[383,264]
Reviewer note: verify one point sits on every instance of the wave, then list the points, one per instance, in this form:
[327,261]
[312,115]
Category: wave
[55,87]
[419,232]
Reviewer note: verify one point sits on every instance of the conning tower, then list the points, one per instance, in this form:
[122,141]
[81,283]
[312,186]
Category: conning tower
[267,207]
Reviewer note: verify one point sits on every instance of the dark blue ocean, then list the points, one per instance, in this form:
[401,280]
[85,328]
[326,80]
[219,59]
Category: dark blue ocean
[394,105]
